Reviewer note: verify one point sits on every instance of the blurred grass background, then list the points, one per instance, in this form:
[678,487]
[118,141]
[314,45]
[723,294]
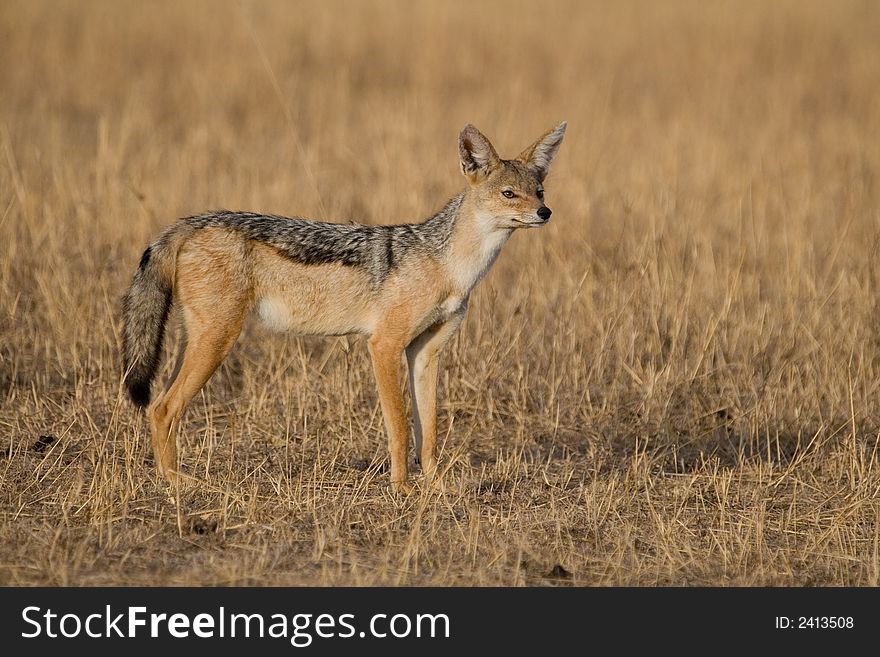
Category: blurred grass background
[674,382]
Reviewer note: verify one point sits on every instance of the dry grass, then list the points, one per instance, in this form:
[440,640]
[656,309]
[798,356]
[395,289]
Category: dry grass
[675,382]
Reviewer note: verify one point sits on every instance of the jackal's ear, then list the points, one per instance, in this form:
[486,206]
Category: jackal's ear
[478,157]
[539,156]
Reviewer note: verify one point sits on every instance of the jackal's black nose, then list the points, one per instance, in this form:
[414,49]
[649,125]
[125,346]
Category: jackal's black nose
[544,213]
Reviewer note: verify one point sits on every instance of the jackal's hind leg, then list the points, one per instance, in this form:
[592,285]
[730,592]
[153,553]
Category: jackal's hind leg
[206,346]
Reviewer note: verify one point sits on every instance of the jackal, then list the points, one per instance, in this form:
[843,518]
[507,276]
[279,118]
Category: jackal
[405,286]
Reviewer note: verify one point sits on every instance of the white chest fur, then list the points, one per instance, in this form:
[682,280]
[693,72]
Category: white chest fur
[476,254]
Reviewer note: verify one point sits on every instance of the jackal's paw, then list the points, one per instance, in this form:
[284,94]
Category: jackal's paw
[176,483]
[401,487]
[444,485]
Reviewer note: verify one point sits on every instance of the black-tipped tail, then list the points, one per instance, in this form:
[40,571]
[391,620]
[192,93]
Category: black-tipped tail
[139,391]
[145,311]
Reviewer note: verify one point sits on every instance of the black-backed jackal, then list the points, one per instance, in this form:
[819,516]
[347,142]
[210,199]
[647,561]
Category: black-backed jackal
[405,286]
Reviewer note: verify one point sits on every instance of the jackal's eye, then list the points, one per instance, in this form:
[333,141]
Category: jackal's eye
[507,194]
[540,194]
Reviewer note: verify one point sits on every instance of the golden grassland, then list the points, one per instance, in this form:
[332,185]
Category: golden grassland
[674,382]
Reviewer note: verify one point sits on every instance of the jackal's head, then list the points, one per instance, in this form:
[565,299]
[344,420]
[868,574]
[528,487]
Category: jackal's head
[510,191]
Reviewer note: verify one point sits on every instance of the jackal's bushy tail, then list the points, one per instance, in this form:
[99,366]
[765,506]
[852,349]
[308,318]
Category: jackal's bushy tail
[145,311]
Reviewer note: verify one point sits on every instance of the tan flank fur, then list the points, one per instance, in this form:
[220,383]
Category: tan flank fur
[406,287]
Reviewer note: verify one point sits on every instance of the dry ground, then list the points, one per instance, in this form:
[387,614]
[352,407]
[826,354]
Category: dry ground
[675,382]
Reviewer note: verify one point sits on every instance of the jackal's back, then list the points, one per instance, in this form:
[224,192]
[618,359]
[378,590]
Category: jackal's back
[377,249]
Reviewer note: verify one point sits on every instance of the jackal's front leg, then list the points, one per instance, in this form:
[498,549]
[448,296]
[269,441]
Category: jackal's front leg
[385,352]
[423,359]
